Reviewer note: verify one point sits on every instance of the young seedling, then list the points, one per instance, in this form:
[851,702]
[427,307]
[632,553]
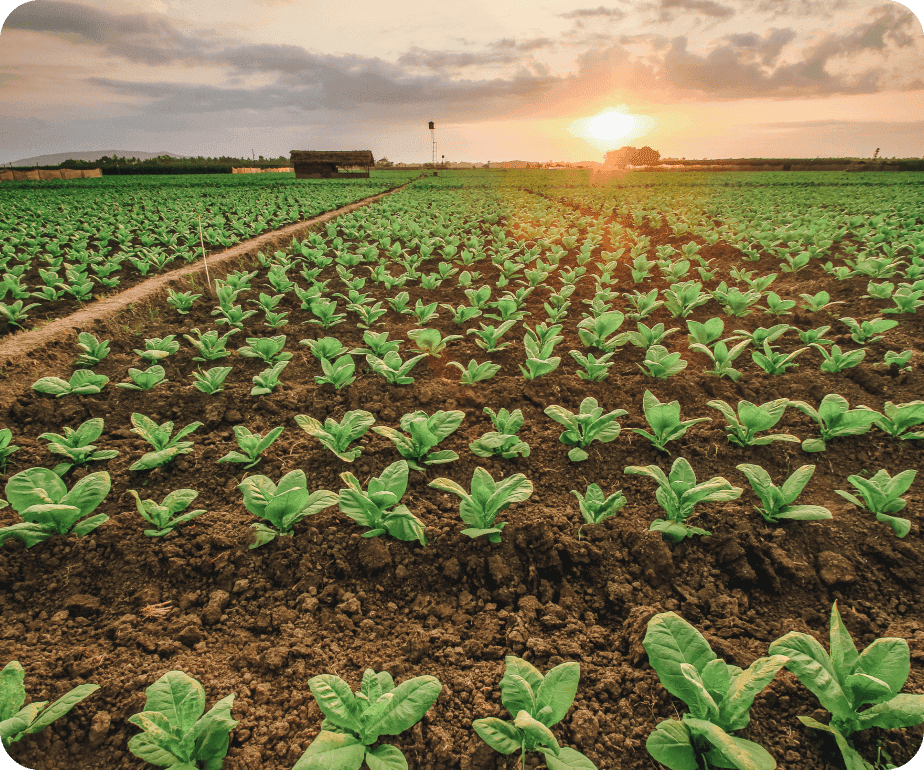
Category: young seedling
[719,697]
[752,419]
[159,437]
[425,433]
[762,334]
[664,420]
[182,300]
[156,348]
[7,448]
[209,345]
[176,734]
[813,337]
[682,299]
[906,299]
[882,495]
[354,722]
[392,368]
[772,362]
[595,369]
[463,313]
[430,342]
[502,441]
[328,348]
[252,446]
[337,437]
[325,313]
[661,363]
[76,445]
[16,313]
[642,304]
[846,680]
[679,493]
[722,358]
[46,507]
[93,351]
[778,501]
[734,301]
[900,418]
[902,361]
[778,306]
[868,331]
[588,425]
[424,313]
[835,418]
[282,506]
[475,372]
[144,379]
[377,507]
[818,302]
[600,332]
[82,383]
[645,337]
[268,349]
[17,720]
[267,380]
[163,515]
[597,507]
[210,382]
[488,337]
[836,360]
[537,704]
[488,498]
[379,345]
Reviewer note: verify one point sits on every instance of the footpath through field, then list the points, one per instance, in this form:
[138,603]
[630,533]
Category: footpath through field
[18,347]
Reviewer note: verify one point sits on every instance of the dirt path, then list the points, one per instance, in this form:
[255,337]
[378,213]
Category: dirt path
[20,348]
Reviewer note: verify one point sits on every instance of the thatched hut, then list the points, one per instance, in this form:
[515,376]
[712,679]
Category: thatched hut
[327,164]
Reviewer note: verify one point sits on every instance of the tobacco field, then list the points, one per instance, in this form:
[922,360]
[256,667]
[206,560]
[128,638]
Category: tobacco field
[606,430]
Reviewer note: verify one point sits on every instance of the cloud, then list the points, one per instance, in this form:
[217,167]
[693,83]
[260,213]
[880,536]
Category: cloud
[704,7]
[589,13]
[766,48]
[448,60]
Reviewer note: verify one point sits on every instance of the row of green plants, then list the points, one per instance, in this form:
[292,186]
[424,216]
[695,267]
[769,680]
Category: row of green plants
[861,690]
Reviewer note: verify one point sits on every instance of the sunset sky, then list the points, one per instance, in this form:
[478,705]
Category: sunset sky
[502,79]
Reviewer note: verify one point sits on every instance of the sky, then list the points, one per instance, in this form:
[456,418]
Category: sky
[532,80]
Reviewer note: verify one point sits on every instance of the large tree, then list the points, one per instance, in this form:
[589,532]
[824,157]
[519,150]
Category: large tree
[620,158]
[646,157]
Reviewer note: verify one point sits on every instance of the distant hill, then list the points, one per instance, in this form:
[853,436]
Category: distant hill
[60,157]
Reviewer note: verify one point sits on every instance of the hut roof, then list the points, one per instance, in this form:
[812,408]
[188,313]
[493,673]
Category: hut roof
[338,157]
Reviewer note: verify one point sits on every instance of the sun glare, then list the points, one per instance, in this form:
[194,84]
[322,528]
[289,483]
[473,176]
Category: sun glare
[610,128]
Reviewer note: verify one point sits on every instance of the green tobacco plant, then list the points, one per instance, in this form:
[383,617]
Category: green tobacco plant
[252,446]
[600,332]
[837,360]
[751,420]
[818,302]
[176,733]
[163,515]
[678,494]
[17,720]
[906,299]
[734,301]
[377,507]
[425,433]
[159,437]
[475,372]
[93,351]
[488,498]
[430,341]
[146,379]
[282,506]
[76,445]
[718,695]
[339,373]
[588,425]
[643,305]
[16,313]
[82,383]
[595,369]
[537,703]
[325,313]
[597,507]
[868,331]
[379,345]
[502,441]
[46,507]
[463,313]
[267,380]
[7,448]
[778,501]
[900,418]
[836,419]
[424,313]
[882,495]
[488,337]
[268,349]
[210,382]
[330,348]
[355,721]
[902,361]
[813,337]
[664,420]
[337,437]
[392,368]
[722,358]
[661,363]
[645,337]
[773,362]
[682,299]
[845,680]
[209,345]
[182,301]
[778,306]
[157,348]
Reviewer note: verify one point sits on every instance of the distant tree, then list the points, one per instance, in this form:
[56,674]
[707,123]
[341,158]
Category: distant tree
[384,162]
[646,157]
[620,158]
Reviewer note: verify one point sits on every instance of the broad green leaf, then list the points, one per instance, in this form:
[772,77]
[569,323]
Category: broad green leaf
[904,710]
[670,642]
[385,757]
[734,709]
[887,659]
[567,759]
[179,697]
[536,732]
[12,689]
[517,695]
[557,691]
[402,708]
[812,666]
[332,751]
[670,745]
[743,754]
[336,700]
[499,735]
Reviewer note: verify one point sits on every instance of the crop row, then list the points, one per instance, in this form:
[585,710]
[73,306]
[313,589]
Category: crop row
[177,732]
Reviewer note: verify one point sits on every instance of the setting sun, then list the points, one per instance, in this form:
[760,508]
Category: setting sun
[609,128]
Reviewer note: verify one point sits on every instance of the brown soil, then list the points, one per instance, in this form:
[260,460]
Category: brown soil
[260,623]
